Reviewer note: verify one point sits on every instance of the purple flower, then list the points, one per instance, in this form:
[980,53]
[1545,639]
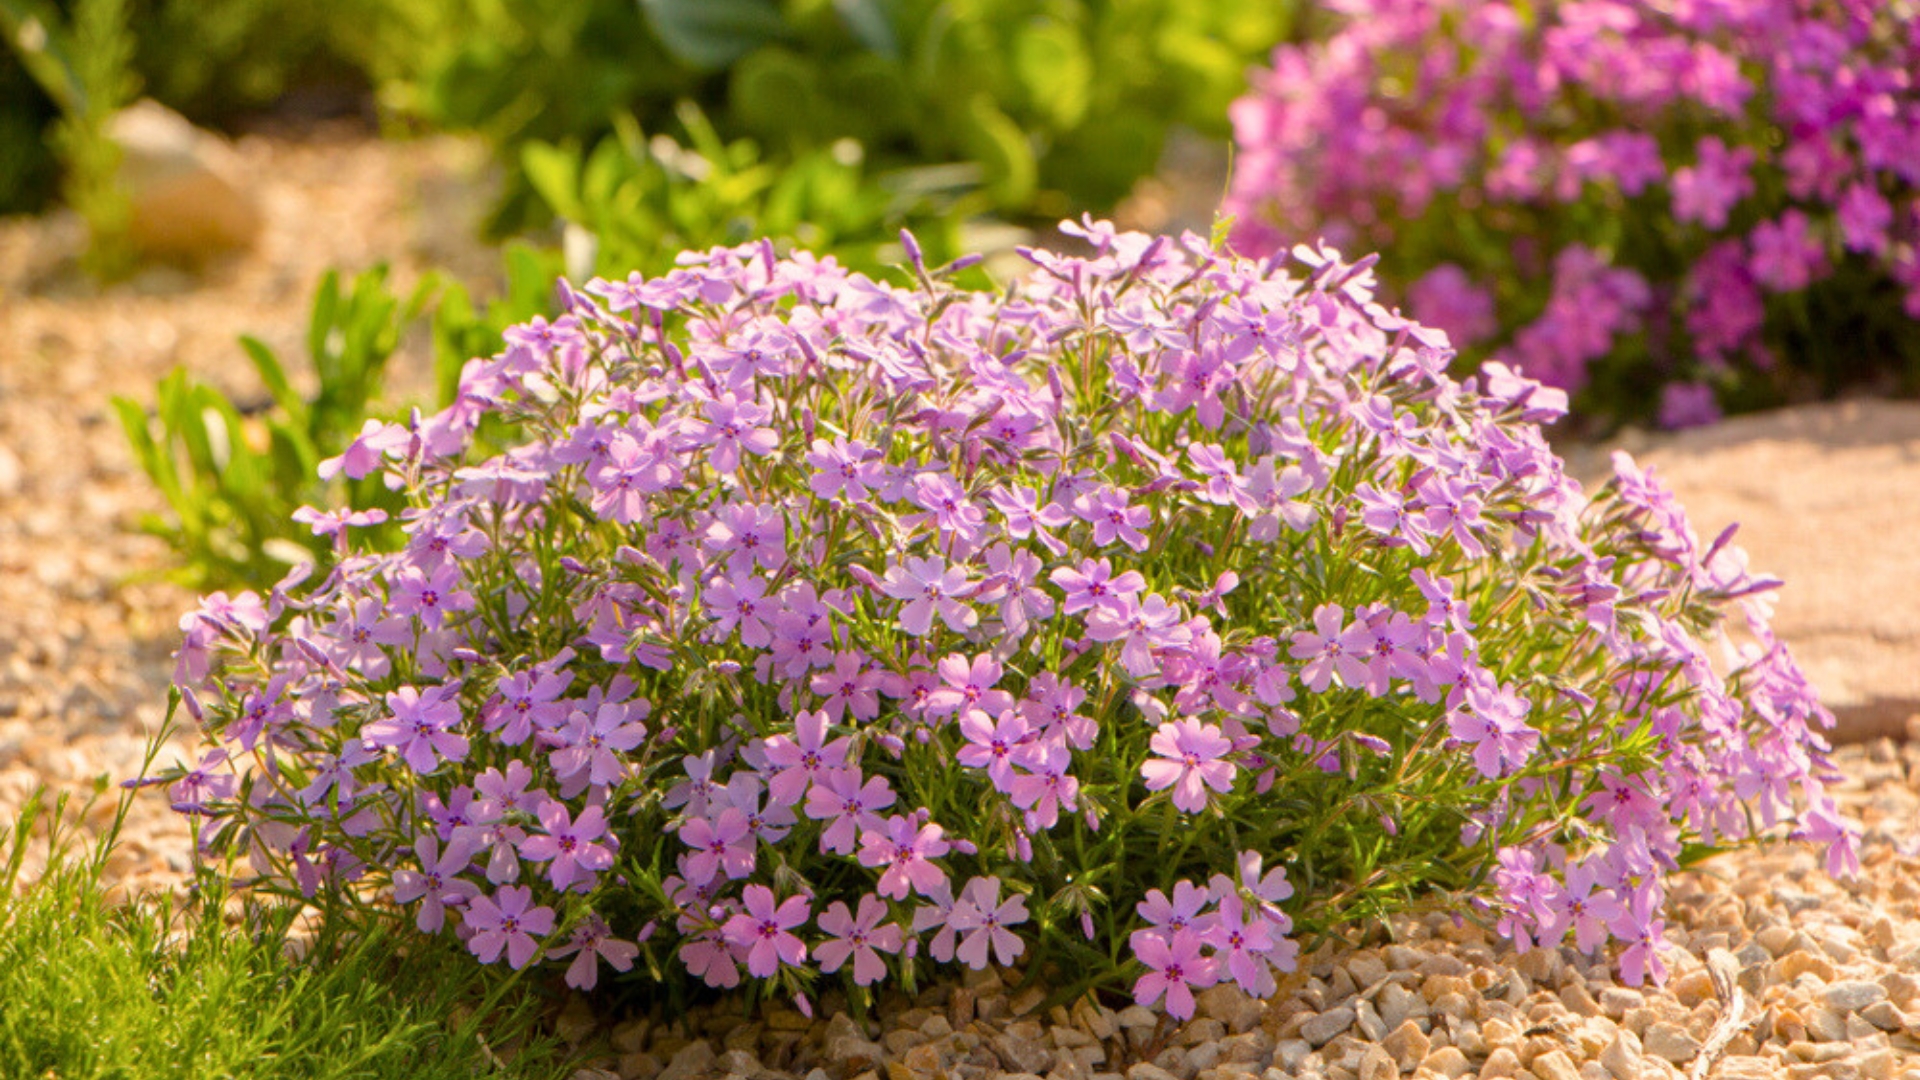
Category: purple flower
[591,942]
[803,758]
[765,931]
[418,725]
[1493,722]
[928,587]
[850,807]
[593,744]
[722,844]
[507,920]
[1189,762]
[570,846]
[983,921]
[1175,969]
[904,853]
[437,882]
[863,939]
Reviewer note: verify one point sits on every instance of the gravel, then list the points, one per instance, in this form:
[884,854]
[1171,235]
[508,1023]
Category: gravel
[1816,978]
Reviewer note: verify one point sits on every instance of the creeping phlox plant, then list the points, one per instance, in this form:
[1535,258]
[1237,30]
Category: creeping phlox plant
[765,619]
[1651,196]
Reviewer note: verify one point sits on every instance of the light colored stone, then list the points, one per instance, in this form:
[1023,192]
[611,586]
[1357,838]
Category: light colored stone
[1670,1041]
[1377,1064]
[1408,1044]
[1826,1025]
[186,196]
[1447,1061]
[1622,1056]
[1289,1053]
[690,1061]
[1554,1065]
[1502,1064]
[1320,1029]
[1853,995]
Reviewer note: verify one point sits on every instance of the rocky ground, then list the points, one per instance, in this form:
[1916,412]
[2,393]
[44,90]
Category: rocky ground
[1779,971]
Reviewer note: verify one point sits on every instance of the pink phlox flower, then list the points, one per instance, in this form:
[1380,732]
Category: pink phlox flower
[1189,761]
[732,427]
[740,602]
[1387,514]
[1493,723]
[1140,628]
[1023,516]
[1331,649]
[850,807]
[723,843]
[573,847]
[1270,888]
[1705,191]
[802,632]
[927,587]
[332,774]
[592,941]
[636,466]
[1452,507]
[1222,475]
[1241,941]
[430,596]
[1824,825]
[1584,907]
[843,469]
[437,882]
[1528,897]
[1640,925]
[507,920]
[330,522]
[804,757]
[768,824]
[1175,969]
[1012,572]
[696,791]
[850,686]
[710,958]
[1044,788]
[746,534]
[202,784]
[1622,802]
[983,921]
[863,939]
[936,915]
[418,724]
[1094,586]
[435,539]
[765,930]
[951,512]
[523,702]
[1107,510]
[991,745]
[1391,653]
[1183,912]
[904,852]
[593,743]
[377,440]
[968,687]
[1049,708]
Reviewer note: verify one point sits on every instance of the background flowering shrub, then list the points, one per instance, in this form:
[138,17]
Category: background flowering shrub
[765,621]
[1674,207]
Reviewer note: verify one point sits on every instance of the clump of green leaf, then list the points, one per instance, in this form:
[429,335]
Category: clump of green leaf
[644,200]
[96,986]
[84,63]
[233,475]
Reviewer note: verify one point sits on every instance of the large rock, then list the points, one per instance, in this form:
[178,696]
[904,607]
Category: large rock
[1828,499]
[186,189]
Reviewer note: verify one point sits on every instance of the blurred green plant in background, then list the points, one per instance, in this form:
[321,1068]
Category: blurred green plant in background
[83,63]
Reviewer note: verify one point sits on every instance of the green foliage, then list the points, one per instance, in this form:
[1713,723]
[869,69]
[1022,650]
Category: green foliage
[95,987]
[232,479]
[1059,106]
[645,200]
[84,64]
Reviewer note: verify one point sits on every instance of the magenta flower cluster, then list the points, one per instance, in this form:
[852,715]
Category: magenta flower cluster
[767,621]
[1646,191]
